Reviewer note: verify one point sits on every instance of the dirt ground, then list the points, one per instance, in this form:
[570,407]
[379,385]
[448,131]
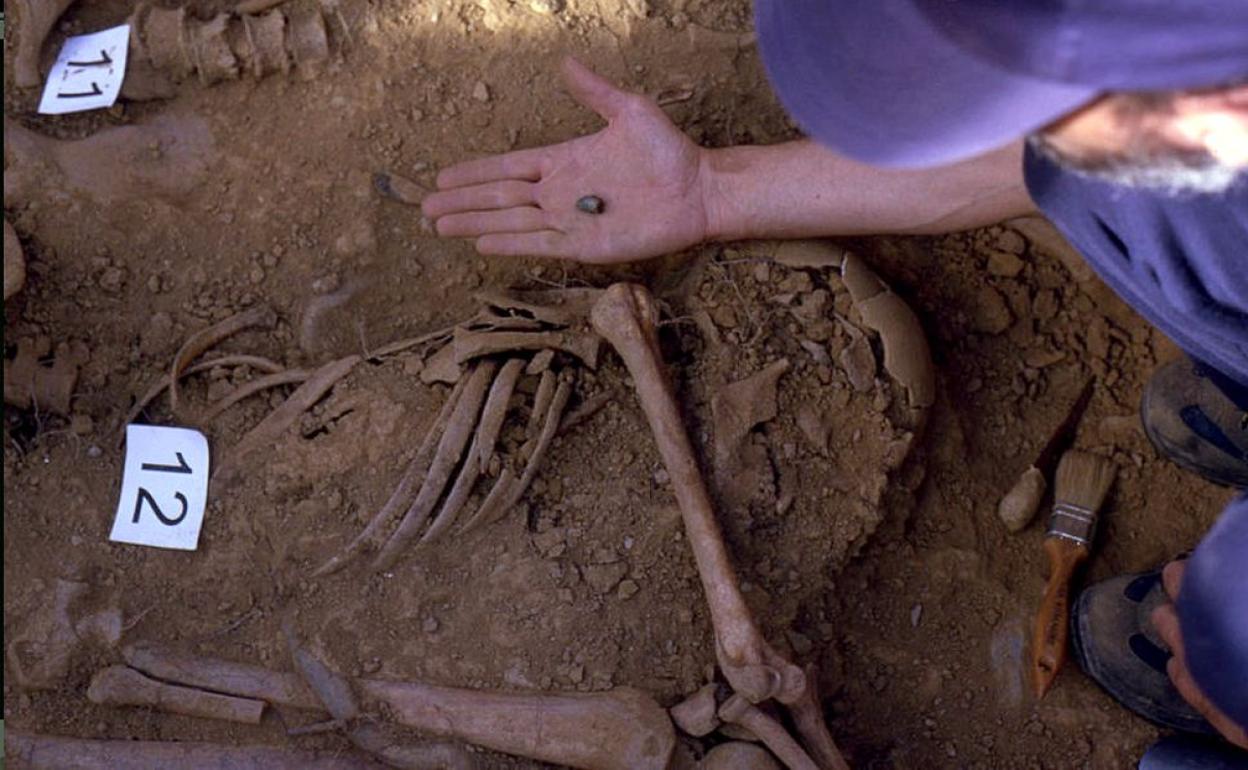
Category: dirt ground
[903,586]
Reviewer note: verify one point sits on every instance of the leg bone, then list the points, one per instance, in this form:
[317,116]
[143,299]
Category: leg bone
[625,316]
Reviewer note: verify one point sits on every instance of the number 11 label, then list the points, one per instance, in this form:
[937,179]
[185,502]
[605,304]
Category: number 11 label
[88,72]
[164,488]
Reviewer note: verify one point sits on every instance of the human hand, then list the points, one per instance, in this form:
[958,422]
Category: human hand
[1166,621]
[650,175]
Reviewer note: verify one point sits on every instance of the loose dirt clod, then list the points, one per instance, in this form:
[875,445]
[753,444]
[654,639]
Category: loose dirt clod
[123,686]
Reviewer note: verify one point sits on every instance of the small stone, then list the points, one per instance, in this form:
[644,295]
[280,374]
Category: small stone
[916,614]
[256,275]
[990,314]
[627,590]
[546,7]
[1004,264]
[481,92]
[431,625]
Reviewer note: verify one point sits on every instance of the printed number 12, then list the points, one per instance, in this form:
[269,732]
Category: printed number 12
[143,495]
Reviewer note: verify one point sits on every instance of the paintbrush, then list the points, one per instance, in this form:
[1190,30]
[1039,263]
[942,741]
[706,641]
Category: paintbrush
[1082,482]
[1019,505]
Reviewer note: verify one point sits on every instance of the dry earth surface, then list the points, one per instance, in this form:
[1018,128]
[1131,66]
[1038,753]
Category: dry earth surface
[905,588]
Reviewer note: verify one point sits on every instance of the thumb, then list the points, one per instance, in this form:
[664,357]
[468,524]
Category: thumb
[593,90]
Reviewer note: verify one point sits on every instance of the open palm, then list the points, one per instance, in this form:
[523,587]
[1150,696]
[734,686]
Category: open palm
[524,203]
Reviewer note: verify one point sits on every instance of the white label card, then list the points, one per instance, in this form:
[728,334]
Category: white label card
[164,488]
[88,72]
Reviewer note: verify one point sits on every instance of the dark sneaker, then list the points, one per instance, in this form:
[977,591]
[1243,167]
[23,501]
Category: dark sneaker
[1198,418]
[1115,644]
[1185,752]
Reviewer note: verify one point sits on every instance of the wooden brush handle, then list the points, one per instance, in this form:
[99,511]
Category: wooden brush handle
[1048,645]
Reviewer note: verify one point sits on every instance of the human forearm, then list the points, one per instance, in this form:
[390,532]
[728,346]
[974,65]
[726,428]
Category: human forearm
[799,190]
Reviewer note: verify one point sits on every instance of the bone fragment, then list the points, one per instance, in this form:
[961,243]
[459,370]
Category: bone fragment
[258,385]
[450,448]
[433,337]
[271,428]
[739,711]
[737,755]
[541,403]
[811,726]
[906,354]
[696,715]
[256,6]
[372,535]
[123,686]
[626,316]
[36,17]
[508,304]
[204,339]
[40,653]
[540,362]
[158,387]
[113,164]
[14,262]
[481,448]
[587,409]
[399,188]
[509,492]
[335,693]
[29,384]
[817,254]
[470,345]
[26,751]
[441,367]
[623,729]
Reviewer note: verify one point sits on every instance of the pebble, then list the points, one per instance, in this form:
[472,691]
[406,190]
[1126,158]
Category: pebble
[1004,264]
[481,92]
[546,7]
[916,614]
[627,589]
[431,625]
[991,315]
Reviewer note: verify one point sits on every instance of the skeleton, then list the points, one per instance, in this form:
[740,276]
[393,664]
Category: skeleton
[461,446]
[618,729]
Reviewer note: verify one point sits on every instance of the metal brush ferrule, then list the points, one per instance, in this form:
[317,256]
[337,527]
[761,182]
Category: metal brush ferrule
[1072,522]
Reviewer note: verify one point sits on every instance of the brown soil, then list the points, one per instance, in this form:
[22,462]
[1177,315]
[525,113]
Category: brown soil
[917,607]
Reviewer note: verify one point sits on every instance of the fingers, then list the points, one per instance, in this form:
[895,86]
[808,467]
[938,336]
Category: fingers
[479,197]
[522,219]
[1166,621]
[593,90]
[544,243]
[521,164]
[1172,577]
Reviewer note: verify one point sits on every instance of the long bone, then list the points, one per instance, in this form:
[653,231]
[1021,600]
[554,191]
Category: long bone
[621,729]
[626,316]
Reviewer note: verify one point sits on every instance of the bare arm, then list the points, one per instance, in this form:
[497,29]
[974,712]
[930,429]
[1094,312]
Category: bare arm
[802,190]
[664,193]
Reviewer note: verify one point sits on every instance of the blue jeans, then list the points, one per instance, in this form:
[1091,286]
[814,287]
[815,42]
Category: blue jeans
[1213,612]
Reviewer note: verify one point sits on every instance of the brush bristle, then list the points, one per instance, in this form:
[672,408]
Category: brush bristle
[1083,479]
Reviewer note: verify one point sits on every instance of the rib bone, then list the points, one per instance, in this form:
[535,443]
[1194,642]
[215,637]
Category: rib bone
[402,494]
[482,447]
[626,316]
[458,430]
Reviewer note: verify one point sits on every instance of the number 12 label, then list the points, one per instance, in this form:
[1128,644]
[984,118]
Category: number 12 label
[164,488]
